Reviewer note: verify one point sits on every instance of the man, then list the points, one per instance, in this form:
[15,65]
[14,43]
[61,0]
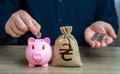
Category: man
[24,18]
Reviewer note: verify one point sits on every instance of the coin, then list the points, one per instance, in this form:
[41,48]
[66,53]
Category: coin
[101,37]
[38,35]
[95,36]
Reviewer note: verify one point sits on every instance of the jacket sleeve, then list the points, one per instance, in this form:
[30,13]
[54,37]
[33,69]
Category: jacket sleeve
[106,12]
[7,7]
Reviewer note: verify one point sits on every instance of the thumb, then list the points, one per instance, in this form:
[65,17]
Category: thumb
[110,31]
[37,25]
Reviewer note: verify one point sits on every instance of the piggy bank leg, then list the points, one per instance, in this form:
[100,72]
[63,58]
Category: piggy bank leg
[45,65]
[31,65]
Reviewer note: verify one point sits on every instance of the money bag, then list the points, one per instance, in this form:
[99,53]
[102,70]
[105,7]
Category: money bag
[66,50]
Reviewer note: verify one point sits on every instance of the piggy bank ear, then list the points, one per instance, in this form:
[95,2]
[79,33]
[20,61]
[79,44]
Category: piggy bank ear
[47,40]
[31,40]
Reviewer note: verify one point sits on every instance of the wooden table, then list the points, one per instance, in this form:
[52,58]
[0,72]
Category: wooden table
[95,61]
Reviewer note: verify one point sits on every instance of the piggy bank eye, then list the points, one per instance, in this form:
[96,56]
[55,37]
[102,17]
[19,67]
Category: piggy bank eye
[43,47]
[33,46]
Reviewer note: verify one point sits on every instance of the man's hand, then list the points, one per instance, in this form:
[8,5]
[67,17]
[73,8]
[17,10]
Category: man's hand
[19,23]
[101,28]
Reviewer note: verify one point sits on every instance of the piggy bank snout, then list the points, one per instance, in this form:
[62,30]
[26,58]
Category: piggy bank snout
[37,56]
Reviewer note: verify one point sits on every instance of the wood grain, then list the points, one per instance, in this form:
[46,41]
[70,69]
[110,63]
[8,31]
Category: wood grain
[95,61]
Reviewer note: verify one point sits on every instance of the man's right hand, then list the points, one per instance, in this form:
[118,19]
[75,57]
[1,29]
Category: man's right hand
[19,23]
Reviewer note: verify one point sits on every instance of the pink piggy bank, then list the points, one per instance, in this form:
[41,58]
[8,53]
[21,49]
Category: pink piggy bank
[38,52]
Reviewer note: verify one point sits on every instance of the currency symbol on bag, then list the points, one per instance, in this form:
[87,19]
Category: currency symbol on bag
[66,52]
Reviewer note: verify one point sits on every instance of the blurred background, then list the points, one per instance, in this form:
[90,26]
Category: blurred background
[117,41]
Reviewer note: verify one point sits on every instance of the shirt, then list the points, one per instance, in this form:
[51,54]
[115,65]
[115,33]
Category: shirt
[52,14]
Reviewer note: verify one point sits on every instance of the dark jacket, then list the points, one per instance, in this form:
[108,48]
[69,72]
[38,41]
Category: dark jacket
[52,14]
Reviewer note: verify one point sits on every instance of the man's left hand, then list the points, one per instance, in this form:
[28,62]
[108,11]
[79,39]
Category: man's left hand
[101,28]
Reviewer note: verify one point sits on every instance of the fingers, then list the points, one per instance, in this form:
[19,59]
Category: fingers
[108,40]
[10,31]
[111,32]
[102,28]
[96,40]
[38,27]
[96,44]
[15,31]
[27,19]
[19,23]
